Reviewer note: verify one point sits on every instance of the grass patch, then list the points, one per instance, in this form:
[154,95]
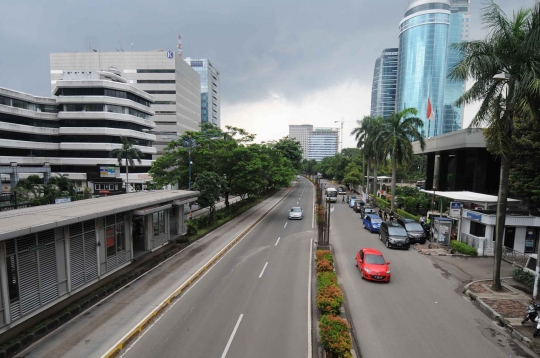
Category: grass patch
[463,248]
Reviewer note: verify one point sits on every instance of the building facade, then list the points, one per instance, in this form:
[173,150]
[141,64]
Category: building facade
[75,131]
[422,67]
[324,142]
[69,248]
[458,31]
[383,91]
[210,90]
[173,83]
[302,133]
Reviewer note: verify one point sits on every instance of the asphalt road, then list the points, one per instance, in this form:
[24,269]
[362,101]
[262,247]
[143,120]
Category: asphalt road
[420,313]
[252,303]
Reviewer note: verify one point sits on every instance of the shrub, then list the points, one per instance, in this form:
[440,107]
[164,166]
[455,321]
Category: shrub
[329,300]
[335,336]
[192,228]
[323,265]
[325,279]
[381,203]
[406,215]
[325,255]
[519,274]
[463,248]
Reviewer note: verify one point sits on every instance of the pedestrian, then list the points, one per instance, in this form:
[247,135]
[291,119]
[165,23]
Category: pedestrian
[422,220]
[391,215]
[385,215]
[343,199]
[347,199]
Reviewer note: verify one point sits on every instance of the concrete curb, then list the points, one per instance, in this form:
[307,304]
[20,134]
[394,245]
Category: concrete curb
[134,332]
[491,313]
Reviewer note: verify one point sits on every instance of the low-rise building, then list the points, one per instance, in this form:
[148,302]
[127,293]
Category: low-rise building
[50,253]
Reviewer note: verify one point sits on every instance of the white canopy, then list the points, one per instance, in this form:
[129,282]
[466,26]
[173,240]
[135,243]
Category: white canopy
[467,196]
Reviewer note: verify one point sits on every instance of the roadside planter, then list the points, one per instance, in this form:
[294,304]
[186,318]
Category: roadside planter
[333,329]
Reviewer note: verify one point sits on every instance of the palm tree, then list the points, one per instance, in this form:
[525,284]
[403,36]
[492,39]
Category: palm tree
[363,134]
[377,151]
[505,68]
[397,132]
[129,153]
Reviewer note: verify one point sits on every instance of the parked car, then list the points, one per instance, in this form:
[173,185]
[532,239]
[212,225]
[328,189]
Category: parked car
[296,213]
[367,210]
[372,222]
[415,231]
[394,235]
[358,205]
[351,198]
[351,203]
[372,265]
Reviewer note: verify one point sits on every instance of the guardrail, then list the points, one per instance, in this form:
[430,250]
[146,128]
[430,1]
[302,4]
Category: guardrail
[515,257]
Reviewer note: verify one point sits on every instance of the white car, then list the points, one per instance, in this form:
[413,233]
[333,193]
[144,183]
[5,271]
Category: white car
[296,213]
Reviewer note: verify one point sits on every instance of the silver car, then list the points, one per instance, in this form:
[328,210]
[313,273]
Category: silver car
[296,213]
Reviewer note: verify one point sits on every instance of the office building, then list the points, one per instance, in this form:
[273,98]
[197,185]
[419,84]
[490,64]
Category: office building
[75,131]
[302,133]
[173,83]
[426,35]
[458,31]
[323,143]
[383,91]
[210,90]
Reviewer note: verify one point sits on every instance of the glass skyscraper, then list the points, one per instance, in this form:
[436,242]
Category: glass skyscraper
[210,90]
[426,34]
[457,32]
[383,90]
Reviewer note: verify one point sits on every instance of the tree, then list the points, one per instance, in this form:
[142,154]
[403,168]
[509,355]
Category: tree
[524,179]
[209,186]
[378,152]
[504,68]
[396,132]
[129,153]
[353,177]
[290,149]
[363,135]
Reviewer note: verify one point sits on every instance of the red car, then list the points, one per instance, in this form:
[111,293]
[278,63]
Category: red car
[372,265]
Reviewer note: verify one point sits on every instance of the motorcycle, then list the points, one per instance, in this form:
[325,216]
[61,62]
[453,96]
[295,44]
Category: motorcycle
[533,316]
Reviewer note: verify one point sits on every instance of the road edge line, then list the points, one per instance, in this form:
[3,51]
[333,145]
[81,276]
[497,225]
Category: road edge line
[310,327]
[128,337]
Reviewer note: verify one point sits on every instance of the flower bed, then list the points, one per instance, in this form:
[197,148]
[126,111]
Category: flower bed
[334,330]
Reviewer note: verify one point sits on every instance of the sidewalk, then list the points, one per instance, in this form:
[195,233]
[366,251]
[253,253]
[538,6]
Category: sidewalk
[506,307]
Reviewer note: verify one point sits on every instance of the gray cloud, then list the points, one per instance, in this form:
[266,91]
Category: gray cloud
[290,48]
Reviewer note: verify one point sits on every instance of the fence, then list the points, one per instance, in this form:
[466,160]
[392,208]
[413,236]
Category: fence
[515,257]
[477,242]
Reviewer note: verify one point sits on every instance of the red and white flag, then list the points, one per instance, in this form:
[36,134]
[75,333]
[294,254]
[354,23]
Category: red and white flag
[179,45]
[430,114]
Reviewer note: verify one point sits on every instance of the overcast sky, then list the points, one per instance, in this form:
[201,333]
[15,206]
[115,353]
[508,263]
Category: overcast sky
[281,62]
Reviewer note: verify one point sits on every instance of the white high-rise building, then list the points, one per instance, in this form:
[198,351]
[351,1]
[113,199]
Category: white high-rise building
[301,133]
[173,83]
[317,143]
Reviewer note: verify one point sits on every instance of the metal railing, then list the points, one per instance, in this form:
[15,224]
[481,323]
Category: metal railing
[515,257]
[474,242]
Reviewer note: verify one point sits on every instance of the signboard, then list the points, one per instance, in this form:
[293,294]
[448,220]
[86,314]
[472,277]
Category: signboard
[455,209]
[109,172]
[170,54]
[62,200]
[104,192]
[475,217]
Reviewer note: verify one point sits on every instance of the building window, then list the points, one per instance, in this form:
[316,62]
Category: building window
[97,187]
[160,92]
[115,238]
[156,71]
[156,81]
[158,223]
[13,280]
[477,229]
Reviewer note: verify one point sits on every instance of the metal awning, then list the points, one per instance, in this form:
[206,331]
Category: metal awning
[467,196]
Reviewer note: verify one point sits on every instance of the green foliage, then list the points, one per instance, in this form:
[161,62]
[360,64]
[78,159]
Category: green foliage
[383,204]
[325,255]
[87,193]
[353,177]
[406,215]
[329,299]
[209,186]
[325,279]
[192,228]
[525,171]
[34,179]
[463,248]
[524,276]
[248,169]
[335,336]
